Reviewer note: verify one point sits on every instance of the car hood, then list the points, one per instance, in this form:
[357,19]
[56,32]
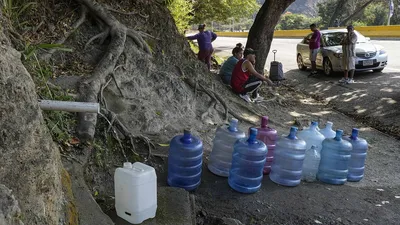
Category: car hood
[360,48]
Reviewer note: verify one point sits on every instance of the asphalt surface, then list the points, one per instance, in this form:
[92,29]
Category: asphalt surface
[287,51]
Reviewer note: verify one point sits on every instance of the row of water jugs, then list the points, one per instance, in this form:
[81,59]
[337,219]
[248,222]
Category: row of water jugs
[310,154]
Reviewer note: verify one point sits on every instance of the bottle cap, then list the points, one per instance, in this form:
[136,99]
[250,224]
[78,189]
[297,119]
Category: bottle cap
[253,134]
[292,134]
[127,165]
[187,136]
[354,134]
[233,125]
[329,124]
[264,121]
[339,134]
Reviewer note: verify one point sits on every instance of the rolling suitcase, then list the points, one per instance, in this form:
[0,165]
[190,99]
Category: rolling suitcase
[276,70]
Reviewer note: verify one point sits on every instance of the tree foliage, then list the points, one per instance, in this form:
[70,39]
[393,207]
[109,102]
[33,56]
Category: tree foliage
[293,21]
[181,11]
[223,10]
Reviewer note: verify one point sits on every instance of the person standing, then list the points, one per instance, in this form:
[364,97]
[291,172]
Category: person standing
[349,55]
[314,44]
[227,68]
[204,39]
[246,81]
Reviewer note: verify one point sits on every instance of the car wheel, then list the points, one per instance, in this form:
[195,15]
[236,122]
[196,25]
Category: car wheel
[378,70]
[328,67]
[300,63]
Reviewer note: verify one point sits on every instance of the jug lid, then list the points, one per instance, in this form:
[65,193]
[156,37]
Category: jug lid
[252,137]
[339,134]
[354,134]
[127,165]
[233,125]
[187,136]
[292,134]
[264,121]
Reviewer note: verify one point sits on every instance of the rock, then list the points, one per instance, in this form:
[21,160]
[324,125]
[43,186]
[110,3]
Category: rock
[30,162]
[10,212]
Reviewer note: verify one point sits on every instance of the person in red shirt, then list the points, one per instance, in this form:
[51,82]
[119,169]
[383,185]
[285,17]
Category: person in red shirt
[245,80]
[314,44]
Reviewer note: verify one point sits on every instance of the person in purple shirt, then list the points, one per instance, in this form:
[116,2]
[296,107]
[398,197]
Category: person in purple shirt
[204,39]
[314,44]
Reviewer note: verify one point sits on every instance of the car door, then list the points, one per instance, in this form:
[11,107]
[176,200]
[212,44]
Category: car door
[304,50]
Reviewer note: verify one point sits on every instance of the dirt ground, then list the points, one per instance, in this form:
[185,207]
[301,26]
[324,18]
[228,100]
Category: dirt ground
[374,200]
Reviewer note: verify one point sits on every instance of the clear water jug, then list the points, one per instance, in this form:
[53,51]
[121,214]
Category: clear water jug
[221,155]
[269,136]
[327,131]
[358,156]
[312,136]
[288,160]
[135,188]
[247,164]
[311,164]
[335,157]
[185,161]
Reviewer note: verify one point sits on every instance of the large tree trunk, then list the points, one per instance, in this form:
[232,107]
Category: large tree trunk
[356,13]
[337,12]
[262,31]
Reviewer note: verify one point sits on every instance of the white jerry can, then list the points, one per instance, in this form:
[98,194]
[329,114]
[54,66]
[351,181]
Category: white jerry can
[135,188]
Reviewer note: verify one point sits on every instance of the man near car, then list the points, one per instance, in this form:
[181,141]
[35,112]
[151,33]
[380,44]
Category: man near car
[349,55]
[245,80]
[314,44]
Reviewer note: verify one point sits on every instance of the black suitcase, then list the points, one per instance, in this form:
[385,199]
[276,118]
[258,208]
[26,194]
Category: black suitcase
[276,70]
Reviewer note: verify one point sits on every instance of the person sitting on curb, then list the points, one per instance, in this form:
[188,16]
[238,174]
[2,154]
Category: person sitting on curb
[227,68]
[204,39]
[349,55]
[245,80]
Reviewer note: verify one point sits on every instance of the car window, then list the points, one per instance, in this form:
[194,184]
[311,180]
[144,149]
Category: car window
[333,39]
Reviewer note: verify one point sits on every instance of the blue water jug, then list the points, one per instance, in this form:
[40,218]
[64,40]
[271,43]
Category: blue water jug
[358,156]
[221,155]
[248,161]
[327,131]
[335,157]
[185,161]
[288,160]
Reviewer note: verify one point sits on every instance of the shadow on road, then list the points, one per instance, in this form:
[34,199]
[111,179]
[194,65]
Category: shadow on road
[373,99]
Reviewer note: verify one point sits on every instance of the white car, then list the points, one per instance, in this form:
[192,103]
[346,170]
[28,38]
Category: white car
[329,58]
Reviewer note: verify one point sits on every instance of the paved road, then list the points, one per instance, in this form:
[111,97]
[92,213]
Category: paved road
[374,98]
[287,51]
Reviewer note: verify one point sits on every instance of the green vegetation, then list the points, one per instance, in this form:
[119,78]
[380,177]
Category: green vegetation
[292,21]
[182,12]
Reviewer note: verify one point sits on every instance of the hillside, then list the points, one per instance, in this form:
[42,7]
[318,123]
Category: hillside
[307,7]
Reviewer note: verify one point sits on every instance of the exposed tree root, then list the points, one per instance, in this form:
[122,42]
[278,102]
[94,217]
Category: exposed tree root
[215,97]
[103,35]
[90,88]
[109,8]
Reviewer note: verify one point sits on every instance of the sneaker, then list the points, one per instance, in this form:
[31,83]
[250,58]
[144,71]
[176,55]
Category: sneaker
[258,98]
[246,98]
[343,80]
[350,81]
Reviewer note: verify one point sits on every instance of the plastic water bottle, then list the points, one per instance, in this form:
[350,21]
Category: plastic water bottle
[311,164]
[335,157]
[327,131]
[288,160]
[269,136]
[358,156]
[248,162]
[185,161]
[221,155]
[312,136]
[135,188]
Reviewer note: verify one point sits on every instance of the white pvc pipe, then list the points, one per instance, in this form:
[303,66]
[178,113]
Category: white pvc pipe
[89,107]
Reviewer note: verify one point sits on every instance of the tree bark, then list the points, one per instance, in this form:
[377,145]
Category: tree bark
[355,13]
[336,13]
[262,31]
